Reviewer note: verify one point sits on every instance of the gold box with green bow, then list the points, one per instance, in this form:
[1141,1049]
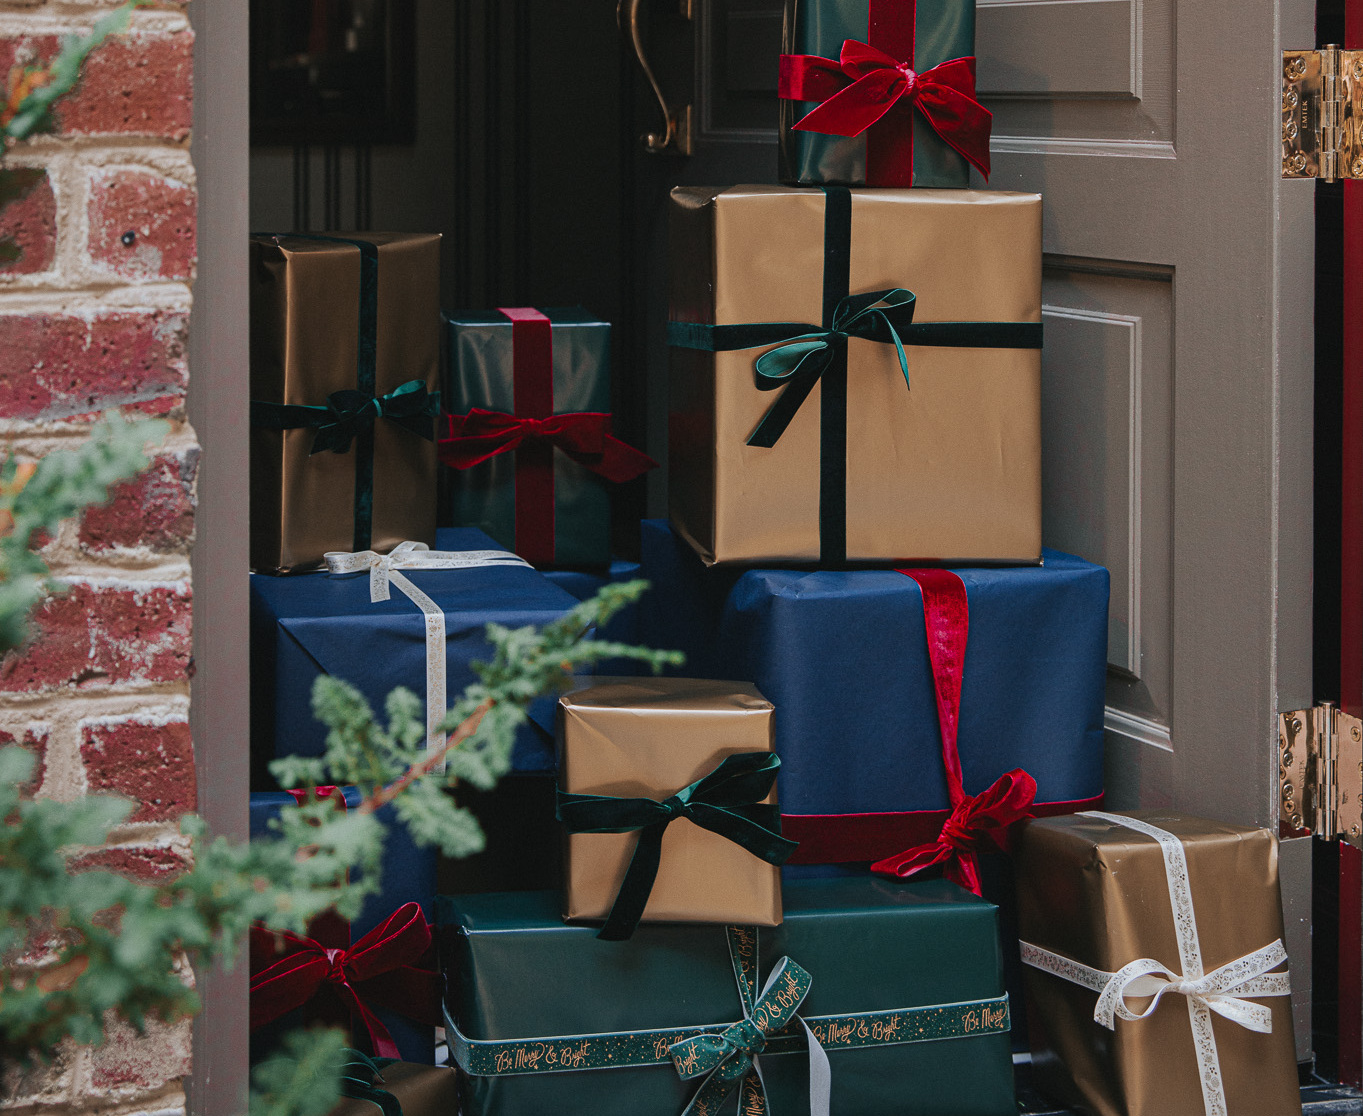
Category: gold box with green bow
[872,998]
[667,791]
[345,353]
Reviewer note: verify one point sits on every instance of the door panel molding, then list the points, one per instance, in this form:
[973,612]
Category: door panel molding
[1089,49]
[1110,148]
[1124,624]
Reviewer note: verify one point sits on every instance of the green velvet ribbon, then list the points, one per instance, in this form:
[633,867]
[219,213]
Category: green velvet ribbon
[727,801]
[804,351]
[359,1075]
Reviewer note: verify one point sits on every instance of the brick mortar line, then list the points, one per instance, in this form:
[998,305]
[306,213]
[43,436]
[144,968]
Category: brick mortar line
[164,294]
[64,20]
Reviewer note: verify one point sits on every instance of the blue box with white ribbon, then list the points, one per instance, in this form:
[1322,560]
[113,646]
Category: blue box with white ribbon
[307,625]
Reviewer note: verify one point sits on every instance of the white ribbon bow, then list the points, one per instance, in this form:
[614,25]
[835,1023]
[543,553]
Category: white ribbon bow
[385,571]
[1221,991]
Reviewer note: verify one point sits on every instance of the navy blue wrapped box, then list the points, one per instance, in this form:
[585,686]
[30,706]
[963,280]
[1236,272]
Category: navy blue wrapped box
[409,876]
[312,624]
[843,657]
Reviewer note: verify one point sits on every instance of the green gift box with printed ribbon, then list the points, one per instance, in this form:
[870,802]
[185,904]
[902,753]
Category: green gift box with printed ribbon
[872,998]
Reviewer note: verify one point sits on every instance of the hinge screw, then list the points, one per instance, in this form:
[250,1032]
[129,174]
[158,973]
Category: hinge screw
[1289,130]
[1290,100]
[1299,165]
[1296,67]
[1358,69]
[1294,725]
[1287,761]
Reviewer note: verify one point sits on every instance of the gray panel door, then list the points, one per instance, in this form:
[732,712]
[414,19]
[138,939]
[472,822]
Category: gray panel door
[1177,383]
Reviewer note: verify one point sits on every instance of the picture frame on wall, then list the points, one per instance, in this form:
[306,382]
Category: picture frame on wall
[333,72]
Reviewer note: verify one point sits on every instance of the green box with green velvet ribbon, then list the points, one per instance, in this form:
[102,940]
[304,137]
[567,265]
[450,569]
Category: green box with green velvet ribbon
[872,998]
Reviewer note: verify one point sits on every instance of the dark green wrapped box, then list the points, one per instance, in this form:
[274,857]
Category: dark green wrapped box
[942,30]
[527,995]
[480,372]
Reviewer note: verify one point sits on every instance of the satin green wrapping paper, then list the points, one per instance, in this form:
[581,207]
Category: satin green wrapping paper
[478,373]
[945,29]
[514,970]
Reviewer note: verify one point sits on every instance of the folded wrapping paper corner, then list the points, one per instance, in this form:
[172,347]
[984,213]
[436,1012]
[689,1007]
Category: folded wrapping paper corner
[381,969]
[1131,992]
[867,87]
[385,570]
[396,1088]
[533,432]
[731,801]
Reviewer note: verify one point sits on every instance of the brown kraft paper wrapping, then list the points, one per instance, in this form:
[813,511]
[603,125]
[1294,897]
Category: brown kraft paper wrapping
[304,346]
[1097,893]
[649,738]
[949,471]
[420,1090]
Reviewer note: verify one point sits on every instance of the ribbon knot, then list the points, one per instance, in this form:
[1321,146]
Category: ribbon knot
[731,1056]
[585,436]
[385,571]
[865,83]
[730,801]
[390,951]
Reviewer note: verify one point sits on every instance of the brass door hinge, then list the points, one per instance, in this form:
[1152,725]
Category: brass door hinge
[1322,108]
[1320,773]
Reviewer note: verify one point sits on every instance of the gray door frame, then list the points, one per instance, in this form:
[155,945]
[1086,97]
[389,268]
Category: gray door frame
[218,361]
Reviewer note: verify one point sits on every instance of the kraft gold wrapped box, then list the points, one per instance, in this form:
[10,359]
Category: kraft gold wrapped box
[1157,982]
[627,746]
[416,1090]
[345,348]
[856,375]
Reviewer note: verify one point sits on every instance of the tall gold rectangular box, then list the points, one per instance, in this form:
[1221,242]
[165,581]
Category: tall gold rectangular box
[945,470]
[308,306]
[649,738]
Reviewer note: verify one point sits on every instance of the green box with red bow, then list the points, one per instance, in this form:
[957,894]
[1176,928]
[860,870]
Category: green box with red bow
[528,437]
[872,998]
[881,93]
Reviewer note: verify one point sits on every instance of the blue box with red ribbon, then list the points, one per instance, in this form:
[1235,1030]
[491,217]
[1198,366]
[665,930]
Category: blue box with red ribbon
[319,623]
[890,754]
[373,975]
[881,93]
[528,437]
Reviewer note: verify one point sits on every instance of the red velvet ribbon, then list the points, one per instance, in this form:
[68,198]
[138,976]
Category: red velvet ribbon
[584,436]
[873,88]
[379,969]
[977,822]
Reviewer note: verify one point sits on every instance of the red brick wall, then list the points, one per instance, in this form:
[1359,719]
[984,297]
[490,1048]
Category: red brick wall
[93,316]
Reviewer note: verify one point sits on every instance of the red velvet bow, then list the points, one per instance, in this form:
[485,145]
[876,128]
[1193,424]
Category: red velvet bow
[973,825]
[585,436]
[866,83]
[389,951]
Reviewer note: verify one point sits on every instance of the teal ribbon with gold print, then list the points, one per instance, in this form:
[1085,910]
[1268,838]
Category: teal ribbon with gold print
[858,1030]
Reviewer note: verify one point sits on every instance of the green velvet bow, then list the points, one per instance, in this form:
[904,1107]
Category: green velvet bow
[728,801]
[348,412]
[730,1057]
[359,1075]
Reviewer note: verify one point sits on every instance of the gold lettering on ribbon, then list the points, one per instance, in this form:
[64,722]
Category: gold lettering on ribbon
[753,1101]
[839,1033]
[970,1021]
[572,1057]
[687,1065]
[883,1030]
[744,937]
[820,1033]
[505,1061]
[761,1019]
[995,1017]
[660,1048]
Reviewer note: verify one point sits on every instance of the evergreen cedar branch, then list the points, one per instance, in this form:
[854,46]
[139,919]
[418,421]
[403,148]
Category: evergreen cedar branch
[79,946]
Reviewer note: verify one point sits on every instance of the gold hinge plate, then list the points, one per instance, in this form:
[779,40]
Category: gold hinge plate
[1322,110]
[1320,774]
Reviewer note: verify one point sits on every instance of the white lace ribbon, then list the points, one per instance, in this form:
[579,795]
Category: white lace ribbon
[385,570]
[1223,990]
